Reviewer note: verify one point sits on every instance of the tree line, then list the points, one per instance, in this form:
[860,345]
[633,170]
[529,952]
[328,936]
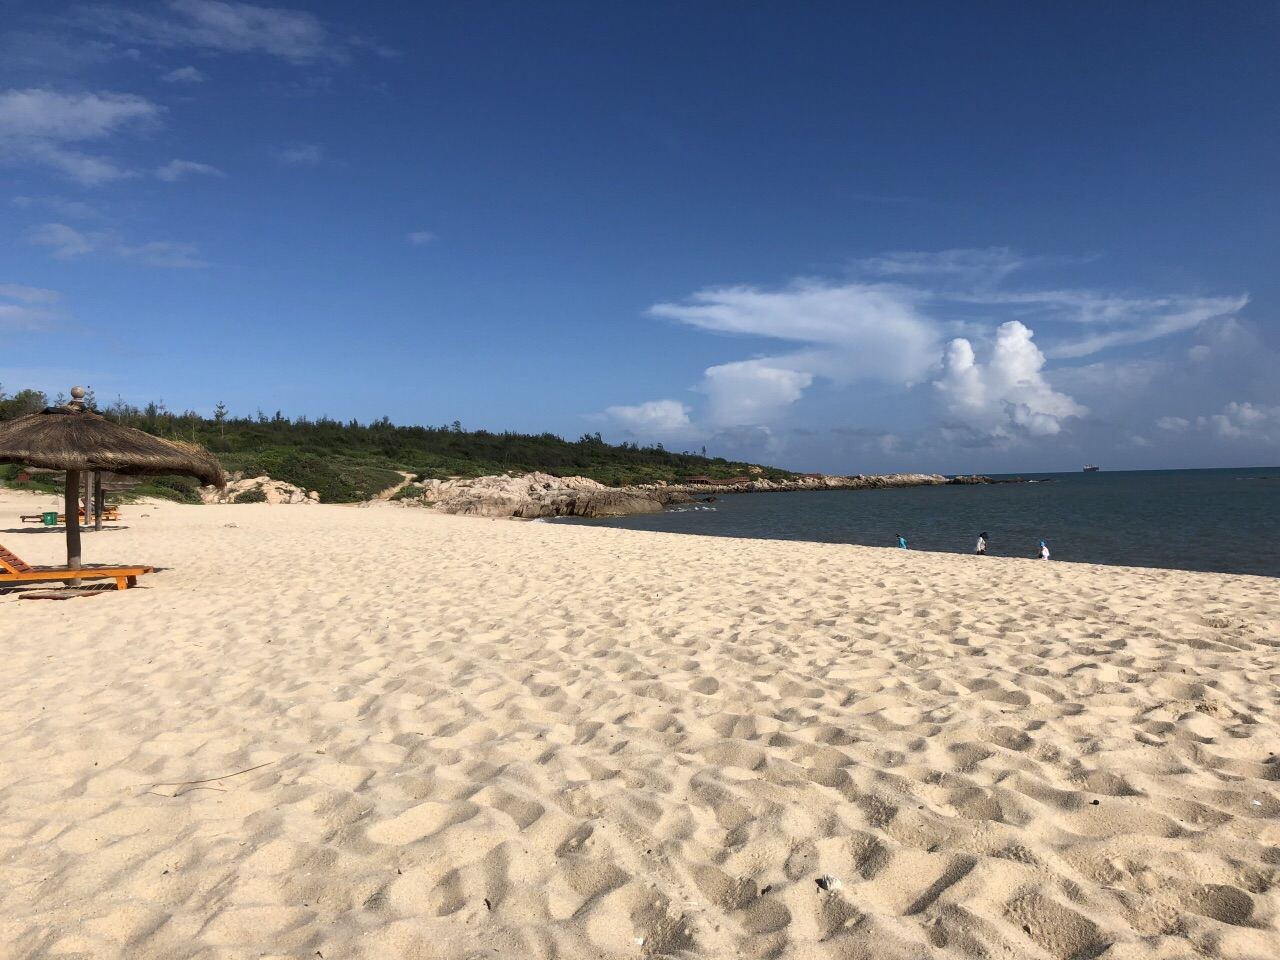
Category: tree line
[350,460]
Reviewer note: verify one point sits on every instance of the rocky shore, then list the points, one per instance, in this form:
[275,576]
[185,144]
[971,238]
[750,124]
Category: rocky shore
[539,495]
[533,496]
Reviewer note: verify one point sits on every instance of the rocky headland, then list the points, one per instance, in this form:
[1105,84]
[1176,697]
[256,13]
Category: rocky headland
[538,495]
[533,496]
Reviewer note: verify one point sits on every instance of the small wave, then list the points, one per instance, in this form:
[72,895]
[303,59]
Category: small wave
[690,508]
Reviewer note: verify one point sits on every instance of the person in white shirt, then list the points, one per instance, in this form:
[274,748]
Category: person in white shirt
[982,544]
[1044,551]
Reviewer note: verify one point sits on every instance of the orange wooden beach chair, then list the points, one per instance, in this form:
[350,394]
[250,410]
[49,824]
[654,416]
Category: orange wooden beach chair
[110,514]
[13,569]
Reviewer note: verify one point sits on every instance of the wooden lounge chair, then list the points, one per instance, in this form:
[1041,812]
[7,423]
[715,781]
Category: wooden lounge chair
[110,514]
[14,569]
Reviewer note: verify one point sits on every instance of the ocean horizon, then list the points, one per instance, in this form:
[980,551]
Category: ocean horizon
[1223,520]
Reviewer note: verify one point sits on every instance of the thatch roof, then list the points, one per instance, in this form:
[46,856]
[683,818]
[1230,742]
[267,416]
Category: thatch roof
[68,438]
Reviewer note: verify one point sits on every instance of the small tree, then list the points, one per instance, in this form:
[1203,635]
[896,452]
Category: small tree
[220,415]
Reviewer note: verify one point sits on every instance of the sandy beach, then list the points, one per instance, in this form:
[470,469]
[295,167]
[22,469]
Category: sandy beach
[343,732]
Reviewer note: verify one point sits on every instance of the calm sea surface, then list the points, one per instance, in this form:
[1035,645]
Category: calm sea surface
[1226,521]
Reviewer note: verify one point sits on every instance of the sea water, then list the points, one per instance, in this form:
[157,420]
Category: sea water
[1226,521]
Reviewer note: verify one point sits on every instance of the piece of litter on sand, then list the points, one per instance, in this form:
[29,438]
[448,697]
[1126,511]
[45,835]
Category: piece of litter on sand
[1256,803]
[828,882]
[639,941]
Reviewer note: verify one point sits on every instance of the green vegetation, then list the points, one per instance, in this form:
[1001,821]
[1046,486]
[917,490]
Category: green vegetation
[177,489]
[347,462]
[252,495]
[39,483]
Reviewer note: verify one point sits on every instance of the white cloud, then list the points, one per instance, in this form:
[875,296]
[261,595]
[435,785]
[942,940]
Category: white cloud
[294,35]
[867,331]
[175,170]
[959,320]
[662,418]
[67,243]
[751,391]
[15,291]
[1008,394]
[1174,424]
[26,308]
[972,266]
[185,75]
[419,237]
[64,242]
[1244,421]
[39,125]
[303,155]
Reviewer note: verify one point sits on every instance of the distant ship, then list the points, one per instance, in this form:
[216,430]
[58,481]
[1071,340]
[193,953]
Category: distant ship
[1090,468]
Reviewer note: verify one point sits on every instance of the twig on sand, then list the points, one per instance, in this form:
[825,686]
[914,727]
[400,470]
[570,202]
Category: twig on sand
[225,776]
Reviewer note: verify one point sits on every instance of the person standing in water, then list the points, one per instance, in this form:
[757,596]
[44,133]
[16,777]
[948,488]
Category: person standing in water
[982,544]
[902,541]
[1044,551]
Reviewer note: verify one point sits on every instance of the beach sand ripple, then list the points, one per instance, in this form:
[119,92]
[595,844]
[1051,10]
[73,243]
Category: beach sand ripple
[386,733]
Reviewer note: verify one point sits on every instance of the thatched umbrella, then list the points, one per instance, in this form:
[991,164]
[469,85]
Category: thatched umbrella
[74,439]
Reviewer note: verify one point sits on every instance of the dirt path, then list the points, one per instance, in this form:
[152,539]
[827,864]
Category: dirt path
[392,491]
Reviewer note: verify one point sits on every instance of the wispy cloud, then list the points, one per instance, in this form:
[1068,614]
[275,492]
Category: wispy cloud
[15,291]
[420,237]
[293,35]
[176,170]
[185,75]
[981,266]
[41,126]
[302,155]
[71,209]
[67,243]
[26,308]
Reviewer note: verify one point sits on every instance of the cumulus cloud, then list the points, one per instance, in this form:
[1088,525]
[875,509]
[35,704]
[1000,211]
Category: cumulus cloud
[176,170]
[1244,421]
[938,351]
[751,391]
[42,126]
[67,243]
[185,75]
[1008,394]
[294,35]
[1174,424]
[660,418]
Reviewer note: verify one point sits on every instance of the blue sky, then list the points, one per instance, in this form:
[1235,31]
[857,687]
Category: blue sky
[829,236]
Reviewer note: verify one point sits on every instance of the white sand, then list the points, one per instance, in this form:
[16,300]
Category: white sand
[479,738]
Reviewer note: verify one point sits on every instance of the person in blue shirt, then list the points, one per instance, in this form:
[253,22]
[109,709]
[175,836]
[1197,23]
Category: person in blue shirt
[902,541]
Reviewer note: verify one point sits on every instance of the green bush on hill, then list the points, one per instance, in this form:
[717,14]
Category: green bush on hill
[351,461]
[178,489]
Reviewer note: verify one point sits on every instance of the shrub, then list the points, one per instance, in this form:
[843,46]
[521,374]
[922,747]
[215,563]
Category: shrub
[178,489]
[411,492]
[252,495]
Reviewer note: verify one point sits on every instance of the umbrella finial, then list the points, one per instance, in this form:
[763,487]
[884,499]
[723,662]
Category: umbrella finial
[77,397]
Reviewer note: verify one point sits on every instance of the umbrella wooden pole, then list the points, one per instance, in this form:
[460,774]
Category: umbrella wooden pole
[99,500]
[72,507]
[88,497]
